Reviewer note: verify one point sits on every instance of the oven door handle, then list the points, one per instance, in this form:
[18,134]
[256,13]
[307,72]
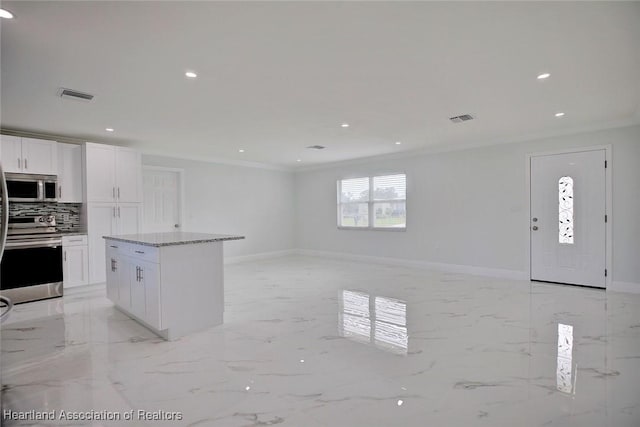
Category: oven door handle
[4,212]
[33,244]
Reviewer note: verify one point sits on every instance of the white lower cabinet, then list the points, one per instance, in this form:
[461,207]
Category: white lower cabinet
[133,283]
[114,275]
[172,289]
[101,222]
[107,219]
[75,261]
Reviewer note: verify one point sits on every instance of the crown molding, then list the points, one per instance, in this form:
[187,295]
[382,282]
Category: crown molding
[160,153]
[39,135]
[444,148]
[216,160]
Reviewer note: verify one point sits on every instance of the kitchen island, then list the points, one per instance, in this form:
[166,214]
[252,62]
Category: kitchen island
[173,283]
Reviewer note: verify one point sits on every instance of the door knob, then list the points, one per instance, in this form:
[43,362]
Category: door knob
[535,227]
[534,219]
[176,225]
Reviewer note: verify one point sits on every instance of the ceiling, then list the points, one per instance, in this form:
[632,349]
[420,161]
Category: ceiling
[276,77]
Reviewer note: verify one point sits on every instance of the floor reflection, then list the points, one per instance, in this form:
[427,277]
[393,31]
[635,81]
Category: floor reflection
[380,321]
[33,333]
[565,381]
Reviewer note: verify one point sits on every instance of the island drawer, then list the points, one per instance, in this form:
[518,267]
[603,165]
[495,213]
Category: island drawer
[141,252]
[79,240]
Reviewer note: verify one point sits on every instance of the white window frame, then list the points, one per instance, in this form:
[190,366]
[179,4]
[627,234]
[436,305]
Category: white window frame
[370,203]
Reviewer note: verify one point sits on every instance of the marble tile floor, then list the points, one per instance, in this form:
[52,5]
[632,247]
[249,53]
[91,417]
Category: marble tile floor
[317,342]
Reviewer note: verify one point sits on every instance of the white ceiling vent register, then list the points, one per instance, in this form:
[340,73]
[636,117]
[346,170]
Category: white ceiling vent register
[74,94]
[462,118]
[316,147]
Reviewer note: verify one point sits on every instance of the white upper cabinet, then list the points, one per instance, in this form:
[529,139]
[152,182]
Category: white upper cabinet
[29,155]
[39,156]
[113,174]
[70,188]
[128,173]
[100,169]
[11,153]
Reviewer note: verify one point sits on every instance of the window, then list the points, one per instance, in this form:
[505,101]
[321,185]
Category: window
[565,210]
[373,202]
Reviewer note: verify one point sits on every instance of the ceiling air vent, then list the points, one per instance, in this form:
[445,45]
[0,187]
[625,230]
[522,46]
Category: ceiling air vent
[74,94]
[316,147]
[462,118]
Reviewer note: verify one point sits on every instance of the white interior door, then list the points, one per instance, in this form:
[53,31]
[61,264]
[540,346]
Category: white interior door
[162,198]
[568,207]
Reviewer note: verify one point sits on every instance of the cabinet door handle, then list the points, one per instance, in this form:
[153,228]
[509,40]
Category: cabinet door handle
[25,164]
[139,252]
[118,193]
[19,164]
[65,256]
[114,211]
[118,211]
[60,191]
[113,192]
[140,273]
[112,246]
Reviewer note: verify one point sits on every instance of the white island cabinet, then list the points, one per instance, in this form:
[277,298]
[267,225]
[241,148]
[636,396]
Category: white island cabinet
[172,283]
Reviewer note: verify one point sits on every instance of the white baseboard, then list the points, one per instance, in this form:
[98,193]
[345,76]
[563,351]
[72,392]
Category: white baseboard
[258,256]
[629,287]
[449,268]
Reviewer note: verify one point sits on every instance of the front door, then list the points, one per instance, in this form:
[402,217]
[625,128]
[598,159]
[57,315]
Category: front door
[567,223]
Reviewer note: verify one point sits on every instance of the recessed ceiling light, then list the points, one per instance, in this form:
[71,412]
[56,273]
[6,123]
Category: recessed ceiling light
[109,129]
[543,76]
[398,142]
[559,114]
[191,74]
[241,150]
[4,13]
[345,125]
[299,160]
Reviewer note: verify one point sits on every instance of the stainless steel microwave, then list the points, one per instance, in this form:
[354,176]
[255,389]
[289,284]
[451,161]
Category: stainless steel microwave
[26,187]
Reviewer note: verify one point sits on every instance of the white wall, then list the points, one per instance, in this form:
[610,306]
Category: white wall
[256,203]
[469,207]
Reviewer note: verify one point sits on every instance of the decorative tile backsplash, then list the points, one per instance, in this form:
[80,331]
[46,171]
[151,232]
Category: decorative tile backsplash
[67,214]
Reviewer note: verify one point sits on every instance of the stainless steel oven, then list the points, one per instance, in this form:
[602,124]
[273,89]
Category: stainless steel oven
[31,268]
[24,187]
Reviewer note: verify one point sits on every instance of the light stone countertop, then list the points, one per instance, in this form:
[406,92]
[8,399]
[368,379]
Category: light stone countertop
[172,238]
